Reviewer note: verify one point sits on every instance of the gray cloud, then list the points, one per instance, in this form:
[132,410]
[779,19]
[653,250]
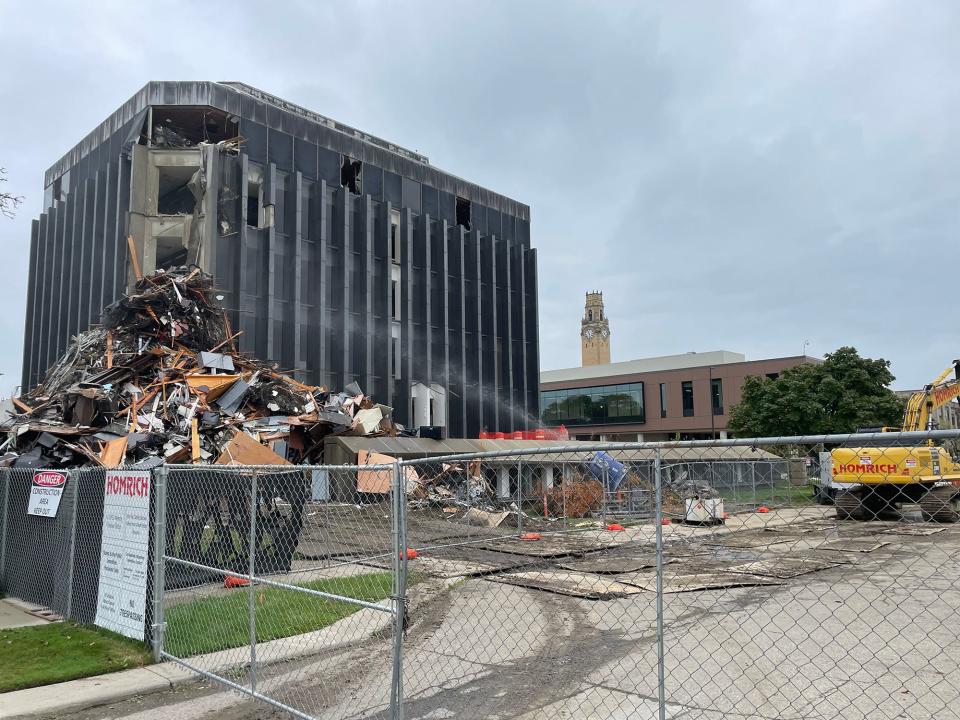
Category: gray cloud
[738,175]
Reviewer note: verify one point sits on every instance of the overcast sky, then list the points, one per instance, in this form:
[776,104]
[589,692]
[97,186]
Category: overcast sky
[733,175]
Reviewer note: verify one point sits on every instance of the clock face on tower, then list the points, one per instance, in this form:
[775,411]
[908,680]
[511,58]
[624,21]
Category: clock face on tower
[588,333]
[604,333]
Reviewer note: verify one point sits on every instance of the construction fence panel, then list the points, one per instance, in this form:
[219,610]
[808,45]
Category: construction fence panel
[281,582]
[50,545]
[697,580]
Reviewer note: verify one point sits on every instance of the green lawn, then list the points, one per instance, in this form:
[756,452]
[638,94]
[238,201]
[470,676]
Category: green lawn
[44,654]
[220,622]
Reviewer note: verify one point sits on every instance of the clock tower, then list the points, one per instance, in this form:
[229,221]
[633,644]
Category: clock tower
[594,332]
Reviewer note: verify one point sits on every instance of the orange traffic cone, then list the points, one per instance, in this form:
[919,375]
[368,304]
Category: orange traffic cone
[763,508]
[666,521]
[232,581]
[412,554]
[530,536]
[615,527]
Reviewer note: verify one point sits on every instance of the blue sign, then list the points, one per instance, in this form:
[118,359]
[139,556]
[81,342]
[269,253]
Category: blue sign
[607,470]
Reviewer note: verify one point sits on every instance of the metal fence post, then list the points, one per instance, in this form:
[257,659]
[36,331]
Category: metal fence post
[603,494]
[5,479]
[563,492]
[658,488]
[400,589]
[159,563]
[519,495]
[753,480]
[73,486]
[251,595]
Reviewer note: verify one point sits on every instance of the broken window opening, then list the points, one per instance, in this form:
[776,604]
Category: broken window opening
[170,253]
[174,196]
[463,212]
[395,236]
[253,204]
[187,126]
[395,299]
[350,174]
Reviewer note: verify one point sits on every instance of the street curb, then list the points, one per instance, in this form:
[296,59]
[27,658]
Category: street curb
[84,693]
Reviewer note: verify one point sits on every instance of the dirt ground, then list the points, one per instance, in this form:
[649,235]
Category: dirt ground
[784,615]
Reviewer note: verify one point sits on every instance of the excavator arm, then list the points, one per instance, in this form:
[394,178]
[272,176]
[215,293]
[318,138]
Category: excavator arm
[922,404]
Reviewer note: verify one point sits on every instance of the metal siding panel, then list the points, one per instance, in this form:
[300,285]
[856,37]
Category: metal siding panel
[305,157]
[280,147]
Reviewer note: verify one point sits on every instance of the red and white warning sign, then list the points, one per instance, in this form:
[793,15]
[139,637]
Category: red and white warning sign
[46,493]
[122,594]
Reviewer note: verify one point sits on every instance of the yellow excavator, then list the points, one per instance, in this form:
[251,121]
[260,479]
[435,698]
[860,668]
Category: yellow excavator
[873,482]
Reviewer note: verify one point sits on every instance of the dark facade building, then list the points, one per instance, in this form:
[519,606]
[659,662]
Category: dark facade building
[340,256]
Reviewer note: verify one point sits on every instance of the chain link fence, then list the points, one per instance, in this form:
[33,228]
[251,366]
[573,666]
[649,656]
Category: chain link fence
[779,578]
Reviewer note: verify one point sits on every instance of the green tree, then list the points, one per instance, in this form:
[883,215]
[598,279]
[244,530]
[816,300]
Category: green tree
[839,395]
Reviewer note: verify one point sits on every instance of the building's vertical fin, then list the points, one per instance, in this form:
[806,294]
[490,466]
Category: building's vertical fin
[28,310]
[270,200]
[407,347]
[508,344]
[297,269]
[480,417]
[343,227]
[369,320]
[322,277]
[531,344]
[96,249]
[428,309]
[32,364]
[495,338]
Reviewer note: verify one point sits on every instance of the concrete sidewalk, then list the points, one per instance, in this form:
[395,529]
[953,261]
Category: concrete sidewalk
[15,613]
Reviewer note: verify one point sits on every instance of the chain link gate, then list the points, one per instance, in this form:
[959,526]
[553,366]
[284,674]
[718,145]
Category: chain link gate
[276,581]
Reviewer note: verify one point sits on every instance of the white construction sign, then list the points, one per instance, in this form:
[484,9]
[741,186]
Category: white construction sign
[45,493]
[124,552]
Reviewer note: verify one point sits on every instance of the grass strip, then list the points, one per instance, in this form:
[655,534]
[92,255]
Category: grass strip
[220,622]
[44,654]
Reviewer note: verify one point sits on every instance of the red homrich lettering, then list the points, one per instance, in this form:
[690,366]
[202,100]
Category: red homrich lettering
[131,486]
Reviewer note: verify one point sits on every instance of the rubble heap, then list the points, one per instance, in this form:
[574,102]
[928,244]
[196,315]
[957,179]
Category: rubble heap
[160,380]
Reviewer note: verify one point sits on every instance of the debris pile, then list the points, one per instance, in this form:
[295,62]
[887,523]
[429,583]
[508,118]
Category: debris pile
[160,380]
[576,499]
[455,483]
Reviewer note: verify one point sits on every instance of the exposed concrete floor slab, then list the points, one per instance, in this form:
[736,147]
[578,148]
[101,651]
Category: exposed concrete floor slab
[550,545]
[693,582]
[604,564]
[783,567]
[920,530]
[862,545]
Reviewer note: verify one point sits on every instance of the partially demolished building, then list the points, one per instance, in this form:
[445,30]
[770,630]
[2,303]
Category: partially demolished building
[339,256]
